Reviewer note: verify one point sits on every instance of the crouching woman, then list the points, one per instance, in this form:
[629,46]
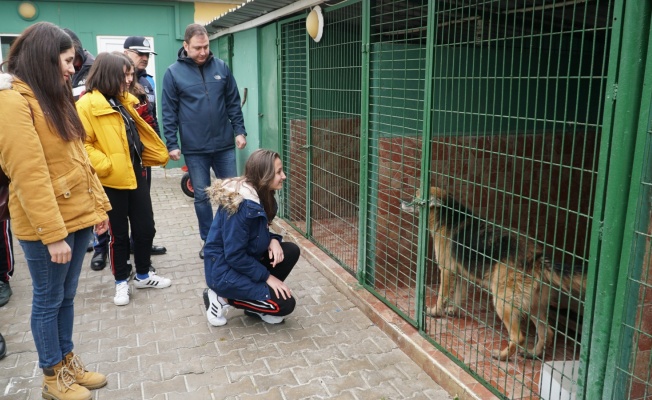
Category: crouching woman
[245,264]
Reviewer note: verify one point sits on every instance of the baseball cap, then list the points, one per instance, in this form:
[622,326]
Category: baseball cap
[139,44]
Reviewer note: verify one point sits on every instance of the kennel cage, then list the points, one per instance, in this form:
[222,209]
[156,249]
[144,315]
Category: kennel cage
[499,102]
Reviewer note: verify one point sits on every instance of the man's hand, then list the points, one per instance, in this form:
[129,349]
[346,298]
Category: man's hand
[60,252]
[240,141]
[175,154]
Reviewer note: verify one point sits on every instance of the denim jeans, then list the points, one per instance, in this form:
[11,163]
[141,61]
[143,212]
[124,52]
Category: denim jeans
[223,164]
[54,288]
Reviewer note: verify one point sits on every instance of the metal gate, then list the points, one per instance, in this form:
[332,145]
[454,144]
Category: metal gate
[484,118]
[321,99]
[627,374]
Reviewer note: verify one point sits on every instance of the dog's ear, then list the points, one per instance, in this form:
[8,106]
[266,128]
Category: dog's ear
[437,195]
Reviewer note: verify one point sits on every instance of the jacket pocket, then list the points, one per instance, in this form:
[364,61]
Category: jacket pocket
[69,190]
[64,184]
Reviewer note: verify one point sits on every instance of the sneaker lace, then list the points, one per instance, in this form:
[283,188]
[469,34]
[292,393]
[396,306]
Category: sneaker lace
[65,379]
[121,290]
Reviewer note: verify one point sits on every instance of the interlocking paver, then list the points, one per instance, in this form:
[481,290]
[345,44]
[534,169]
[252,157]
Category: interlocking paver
[160,347]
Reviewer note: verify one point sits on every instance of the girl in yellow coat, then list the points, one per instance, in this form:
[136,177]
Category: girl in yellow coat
[120,145]
[55,197]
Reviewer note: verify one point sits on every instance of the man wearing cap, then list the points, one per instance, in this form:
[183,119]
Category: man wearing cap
[201,101]
[139,50]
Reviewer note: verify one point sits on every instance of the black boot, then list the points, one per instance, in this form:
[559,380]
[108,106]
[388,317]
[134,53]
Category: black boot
[3,347]
[98,262]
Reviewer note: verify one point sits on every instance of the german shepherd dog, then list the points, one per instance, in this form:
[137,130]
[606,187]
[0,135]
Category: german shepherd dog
[521,280]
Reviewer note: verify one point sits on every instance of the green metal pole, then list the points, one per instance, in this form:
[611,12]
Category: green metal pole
[627,296]
[424,186]
[308,142]
[626,73]
[364,144]
[279,100]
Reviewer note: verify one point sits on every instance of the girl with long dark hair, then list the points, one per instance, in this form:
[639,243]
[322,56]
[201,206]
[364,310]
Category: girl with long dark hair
[55,196]
[246,264]
[121,145]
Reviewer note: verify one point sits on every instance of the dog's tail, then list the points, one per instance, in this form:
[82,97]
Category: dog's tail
[566,279]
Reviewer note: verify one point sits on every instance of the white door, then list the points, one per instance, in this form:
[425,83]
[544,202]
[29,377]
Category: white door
[116,43]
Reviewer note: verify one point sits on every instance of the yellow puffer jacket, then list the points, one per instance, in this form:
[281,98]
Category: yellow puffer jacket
[107,144]
[54,190]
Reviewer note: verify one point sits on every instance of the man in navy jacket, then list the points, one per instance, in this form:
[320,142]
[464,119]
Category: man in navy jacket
[200,100]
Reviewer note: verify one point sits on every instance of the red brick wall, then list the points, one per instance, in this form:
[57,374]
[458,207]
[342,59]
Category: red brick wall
[538,184]
[335,167]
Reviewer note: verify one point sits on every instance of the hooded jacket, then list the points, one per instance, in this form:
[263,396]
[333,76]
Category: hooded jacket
[54,190]
[79,79]
[107,143]
[236,242]
[203,104]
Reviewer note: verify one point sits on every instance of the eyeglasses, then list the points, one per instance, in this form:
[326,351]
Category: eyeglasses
[139,53]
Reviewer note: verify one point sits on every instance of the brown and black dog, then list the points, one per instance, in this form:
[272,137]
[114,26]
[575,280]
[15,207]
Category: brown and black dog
[521,280]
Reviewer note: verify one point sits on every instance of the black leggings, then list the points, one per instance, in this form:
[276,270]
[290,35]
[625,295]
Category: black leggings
[6,252]
[274,306]
[131,208]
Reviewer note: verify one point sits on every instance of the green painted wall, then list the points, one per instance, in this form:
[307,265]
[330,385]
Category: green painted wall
[268,86]
[245,67]
[165,21]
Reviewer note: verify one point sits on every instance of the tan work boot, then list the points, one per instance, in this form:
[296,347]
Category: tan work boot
[87,379]
[59,384]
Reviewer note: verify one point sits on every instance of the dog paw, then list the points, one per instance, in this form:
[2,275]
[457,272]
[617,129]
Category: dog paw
[532,352]
[452,311]
[501,355]
[434,312]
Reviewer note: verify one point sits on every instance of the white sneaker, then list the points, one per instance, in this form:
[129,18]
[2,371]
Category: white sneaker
[270,319]
[152,281]
[216,308]
[121,294]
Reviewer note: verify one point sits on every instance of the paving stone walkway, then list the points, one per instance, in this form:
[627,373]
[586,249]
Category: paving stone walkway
[161,347]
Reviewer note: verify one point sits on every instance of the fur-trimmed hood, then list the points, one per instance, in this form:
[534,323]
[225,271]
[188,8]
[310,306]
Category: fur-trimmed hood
[5,81]
[230,193]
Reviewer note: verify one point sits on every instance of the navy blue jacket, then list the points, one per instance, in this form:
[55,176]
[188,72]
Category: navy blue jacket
[79,79]
[238,239]
[146,82]
[204,108]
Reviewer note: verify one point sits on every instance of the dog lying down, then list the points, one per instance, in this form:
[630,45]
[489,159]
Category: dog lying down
[521,280]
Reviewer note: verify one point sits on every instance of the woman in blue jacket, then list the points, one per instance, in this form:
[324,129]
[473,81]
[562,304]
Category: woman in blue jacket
[245,264]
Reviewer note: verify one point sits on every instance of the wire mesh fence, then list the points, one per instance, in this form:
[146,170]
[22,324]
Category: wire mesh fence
[493,109]
[633,350]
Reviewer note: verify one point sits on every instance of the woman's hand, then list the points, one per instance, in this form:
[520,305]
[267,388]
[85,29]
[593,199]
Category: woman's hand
[60,252]
[102,227]
[279,287]
[275,252]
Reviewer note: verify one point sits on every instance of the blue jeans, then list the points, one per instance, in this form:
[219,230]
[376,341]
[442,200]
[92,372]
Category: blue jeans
[54,288]
[199,165]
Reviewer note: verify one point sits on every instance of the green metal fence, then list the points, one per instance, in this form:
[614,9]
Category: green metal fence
[627,374]
[323,141]
[501,106]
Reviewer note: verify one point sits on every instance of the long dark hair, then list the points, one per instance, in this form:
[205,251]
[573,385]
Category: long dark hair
[107,74]
[35,59]
[259,172]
